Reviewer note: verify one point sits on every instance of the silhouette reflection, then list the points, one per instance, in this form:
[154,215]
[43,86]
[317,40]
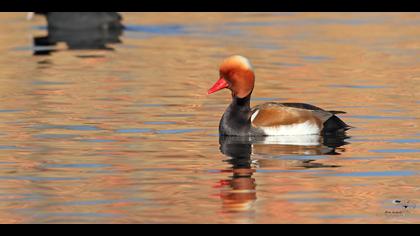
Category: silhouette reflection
[79,30]
[248,153]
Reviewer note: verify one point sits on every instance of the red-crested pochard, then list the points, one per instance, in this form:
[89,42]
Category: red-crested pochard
[239,119]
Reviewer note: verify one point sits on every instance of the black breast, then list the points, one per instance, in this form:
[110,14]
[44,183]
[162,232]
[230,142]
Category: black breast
[236,119]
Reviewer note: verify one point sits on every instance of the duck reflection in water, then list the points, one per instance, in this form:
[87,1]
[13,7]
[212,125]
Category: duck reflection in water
[246,154]
[80,31]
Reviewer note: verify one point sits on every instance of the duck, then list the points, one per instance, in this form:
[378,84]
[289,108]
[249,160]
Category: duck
[79,30]
[236,73]
[81,20]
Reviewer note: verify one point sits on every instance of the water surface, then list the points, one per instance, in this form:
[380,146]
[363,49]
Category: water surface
[129,135]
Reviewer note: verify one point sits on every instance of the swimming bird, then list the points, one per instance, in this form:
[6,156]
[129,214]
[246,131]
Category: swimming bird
[272,118]
[81,20]
[79,30]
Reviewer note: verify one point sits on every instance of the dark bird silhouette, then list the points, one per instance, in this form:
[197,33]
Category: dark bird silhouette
[80,30]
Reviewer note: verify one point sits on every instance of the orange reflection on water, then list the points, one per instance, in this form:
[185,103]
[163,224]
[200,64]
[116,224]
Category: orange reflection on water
[129,136]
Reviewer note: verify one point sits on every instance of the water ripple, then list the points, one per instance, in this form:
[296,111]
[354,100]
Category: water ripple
[373,174]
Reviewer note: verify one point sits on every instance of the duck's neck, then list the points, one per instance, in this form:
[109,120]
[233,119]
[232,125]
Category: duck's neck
[236,119]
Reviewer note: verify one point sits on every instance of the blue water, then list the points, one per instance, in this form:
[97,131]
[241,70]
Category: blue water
[133,130]
[127,134]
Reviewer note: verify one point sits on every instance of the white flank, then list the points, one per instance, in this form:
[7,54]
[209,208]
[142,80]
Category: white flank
[254,115]
[304,128]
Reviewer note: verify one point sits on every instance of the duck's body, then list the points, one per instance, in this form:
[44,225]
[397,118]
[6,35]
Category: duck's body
[79,30]
[270,118]
[278,119]
[83,20]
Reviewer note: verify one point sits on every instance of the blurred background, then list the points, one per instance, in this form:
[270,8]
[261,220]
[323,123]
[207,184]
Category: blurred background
[104,118]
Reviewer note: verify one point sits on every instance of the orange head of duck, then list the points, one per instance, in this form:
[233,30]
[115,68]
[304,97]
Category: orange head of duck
[237,75]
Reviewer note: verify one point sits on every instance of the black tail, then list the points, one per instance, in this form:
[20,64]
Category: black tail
[335,125]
